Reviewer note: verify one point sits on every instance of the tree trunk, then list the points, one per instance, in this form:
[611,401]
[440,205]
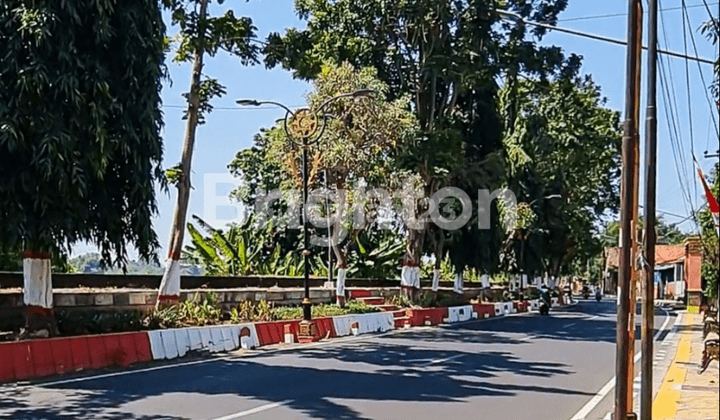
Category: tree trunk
[341,265]
[38,295]
[410,274]
[170,285]
[458,287]
[438,264]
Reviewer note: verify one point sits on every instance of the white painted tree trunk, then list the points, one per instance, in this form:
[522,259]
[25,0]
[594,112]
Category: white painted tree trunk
[170,284]
[410,277]
[436,280]
[340,285]
[458,287]
[37,282]
[485,281]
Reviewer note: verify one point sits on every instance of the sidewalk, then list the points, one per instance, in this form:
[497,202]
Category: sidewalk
[684,393]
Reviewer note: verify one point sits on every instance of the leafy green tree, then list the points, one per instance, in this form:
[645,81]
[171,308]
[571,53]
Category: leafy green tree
[566,164]
[256,171]
[447,55]
[200,35]
[355,153]
[711,261]
[80,124]
[244,249]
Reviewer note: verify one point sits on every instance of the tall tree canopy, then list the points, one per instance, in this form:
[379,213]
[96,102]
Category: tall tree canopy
[565,163]
[200,35]
[80,124]
[447,55]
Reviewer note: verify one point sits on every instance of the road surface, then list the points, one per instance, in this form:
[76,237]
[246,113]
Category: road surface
[518,367]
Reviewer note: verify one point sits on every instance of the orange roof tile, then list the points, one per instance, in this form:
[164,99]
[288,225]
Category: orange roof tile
[664,254]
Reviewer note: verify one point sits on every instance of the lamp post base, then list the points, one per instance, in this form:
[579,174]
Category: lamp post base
[307,327]
[307,332]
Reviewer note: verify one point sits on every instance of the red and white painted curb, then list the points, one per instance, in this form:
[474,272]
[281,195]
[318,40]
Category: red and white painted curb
[40,358]
[363,323]
[177,342]
[56,356]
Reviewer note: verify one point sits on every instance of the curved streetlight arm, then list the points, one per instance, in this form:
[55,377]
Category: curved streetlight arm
[254,102]
[360,93]
[549,197]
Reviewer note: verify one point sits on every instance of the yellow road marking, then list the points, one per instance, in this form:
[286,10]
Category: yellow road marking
[665,406]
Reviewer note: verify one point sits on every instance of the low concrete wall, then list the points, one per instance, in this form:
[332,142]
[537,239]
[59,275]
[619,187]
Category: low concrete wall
[139,281]
[11,302]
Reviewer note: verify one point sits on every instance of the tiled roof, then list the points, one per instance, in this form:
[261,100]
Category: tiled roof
[664,254]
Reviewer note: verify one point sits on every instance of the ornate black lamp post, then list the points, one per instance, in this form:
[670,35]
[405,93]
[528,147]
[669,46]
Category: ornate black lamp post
[304,128]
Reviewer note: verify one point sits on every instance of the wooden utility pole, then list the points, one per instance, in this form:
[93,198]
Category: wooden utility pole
[648,304]
[628,214]
[635,279]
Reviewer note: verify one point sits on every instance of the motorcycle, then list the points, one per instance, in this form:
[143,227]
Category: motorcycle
[598,296]
[586,293]
[544,307]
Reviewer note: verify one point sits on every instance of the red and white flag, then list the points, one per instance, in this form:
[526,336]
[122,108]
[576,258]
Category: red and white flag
[712,200]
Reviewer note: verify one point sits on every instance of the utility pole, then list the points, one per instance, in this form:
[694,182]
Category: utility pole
[648,304]
[635,279]
[623,357]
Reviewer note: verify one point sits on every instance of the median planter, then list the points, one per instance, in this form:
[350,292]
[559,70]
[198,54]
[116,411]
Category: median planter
[428,316]
[40,358]
[521,306]
[484,310]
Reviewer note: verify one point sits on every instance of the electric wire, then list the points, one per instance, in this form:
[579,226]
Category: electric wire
[671,110]
[613,15]
[706,88]
[687,86]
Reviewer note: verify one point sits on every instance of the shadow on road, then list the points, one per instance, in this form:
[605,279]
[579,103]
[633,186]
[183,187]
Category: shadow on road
[311,378]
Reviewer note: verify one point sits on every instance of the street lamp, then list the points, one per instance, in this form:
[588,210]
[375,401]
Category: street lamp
[304,128]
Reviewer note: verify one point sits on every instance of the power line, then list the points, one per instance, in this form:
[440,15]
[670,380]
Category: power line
[231,108]
[671,110]
[517,18]
[702,76]
[573,19]
[687,85]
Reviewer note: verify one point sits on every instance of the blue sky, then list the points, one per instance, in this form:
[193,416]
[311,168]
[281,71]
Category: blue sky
[229,130]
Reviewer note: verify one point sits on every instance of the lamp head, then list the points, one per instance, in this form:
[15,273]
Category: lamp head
[363,93]
[248,102]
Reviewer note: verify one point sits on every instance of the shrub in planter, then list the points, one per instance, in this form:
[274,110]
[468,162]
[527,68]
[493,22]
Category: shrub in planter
[98,322]
[447,301]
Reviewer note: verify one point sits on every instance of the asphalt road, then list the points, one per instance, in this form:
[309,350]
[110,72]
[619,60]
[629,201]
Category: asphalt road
[518,367]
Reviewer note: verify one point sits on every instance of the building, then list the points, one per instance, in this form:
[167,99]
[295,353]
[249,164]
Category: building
[678,272]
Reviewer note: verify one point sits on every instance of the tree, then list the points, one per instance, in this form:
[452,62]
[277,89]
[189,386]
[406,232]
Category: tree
[565,162]
[667,233]
[80,124]
[355,154]
[243,250]
[447,56]
[711,261]
[200,35]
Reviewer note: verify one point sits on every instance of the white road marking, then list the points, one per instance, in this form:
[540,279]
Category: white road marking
[447,359]
[253,410]
[605,390]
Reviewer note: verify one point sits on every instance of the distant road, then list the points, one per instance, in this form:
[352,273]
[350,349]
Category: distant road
[519,367]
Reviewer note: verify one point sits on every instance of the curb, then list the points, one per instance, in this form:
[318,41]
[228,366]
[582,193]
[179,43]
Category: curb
[41,358]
